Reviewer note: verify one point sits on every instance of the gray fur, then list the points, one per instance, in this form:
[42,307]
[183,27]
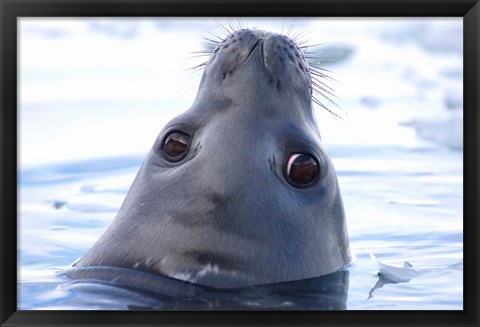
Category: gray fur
[225,216]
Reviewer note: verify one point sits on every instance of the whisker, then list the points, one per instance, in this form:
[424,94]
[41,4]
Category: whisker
[220,39]
[300,38]
[200,66]
[240,23]
[323,88]
[290,28]
[313,71]
[210,40]
[315,100]
[322,72]
[322,80]
[312,45]
[326,98]
[232,28]
[223,28]
[199,56]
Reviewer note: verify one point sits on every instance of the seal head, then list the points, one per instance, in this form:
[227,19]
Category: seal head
[238,190]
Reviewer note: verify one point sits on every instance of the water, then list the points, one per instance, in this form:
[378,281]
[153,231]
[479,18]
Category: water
[87,119]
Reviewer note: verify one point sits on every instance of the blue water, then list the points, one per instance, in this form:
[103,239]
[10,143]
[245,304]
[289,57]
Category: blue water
[397,151]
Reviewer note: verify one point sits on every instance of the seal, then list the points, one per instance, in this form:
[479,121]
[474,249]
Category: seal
[239,189]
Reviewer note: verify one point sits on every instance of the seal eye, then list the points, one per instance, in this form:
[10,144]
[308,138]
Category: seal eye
[302,169]
[175,145]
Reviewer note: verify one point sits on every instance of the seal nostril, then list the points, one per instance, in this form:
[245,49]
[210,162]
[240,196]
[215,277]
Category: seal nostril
[252,37]
[252,49]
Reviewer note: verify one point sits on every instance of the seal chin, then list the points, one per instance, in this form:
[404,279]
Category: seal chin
[238,190]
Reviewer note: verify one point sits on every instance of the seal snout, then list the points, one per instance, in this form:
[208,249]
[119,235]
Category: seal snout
[246,53]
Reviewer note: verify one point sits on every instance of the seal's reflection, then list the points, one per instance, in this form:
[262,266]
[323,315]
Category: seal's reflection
[134,290]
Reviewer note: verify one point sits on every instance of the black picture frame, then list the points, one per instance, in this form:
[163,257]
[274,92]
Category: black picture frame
[10,10]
